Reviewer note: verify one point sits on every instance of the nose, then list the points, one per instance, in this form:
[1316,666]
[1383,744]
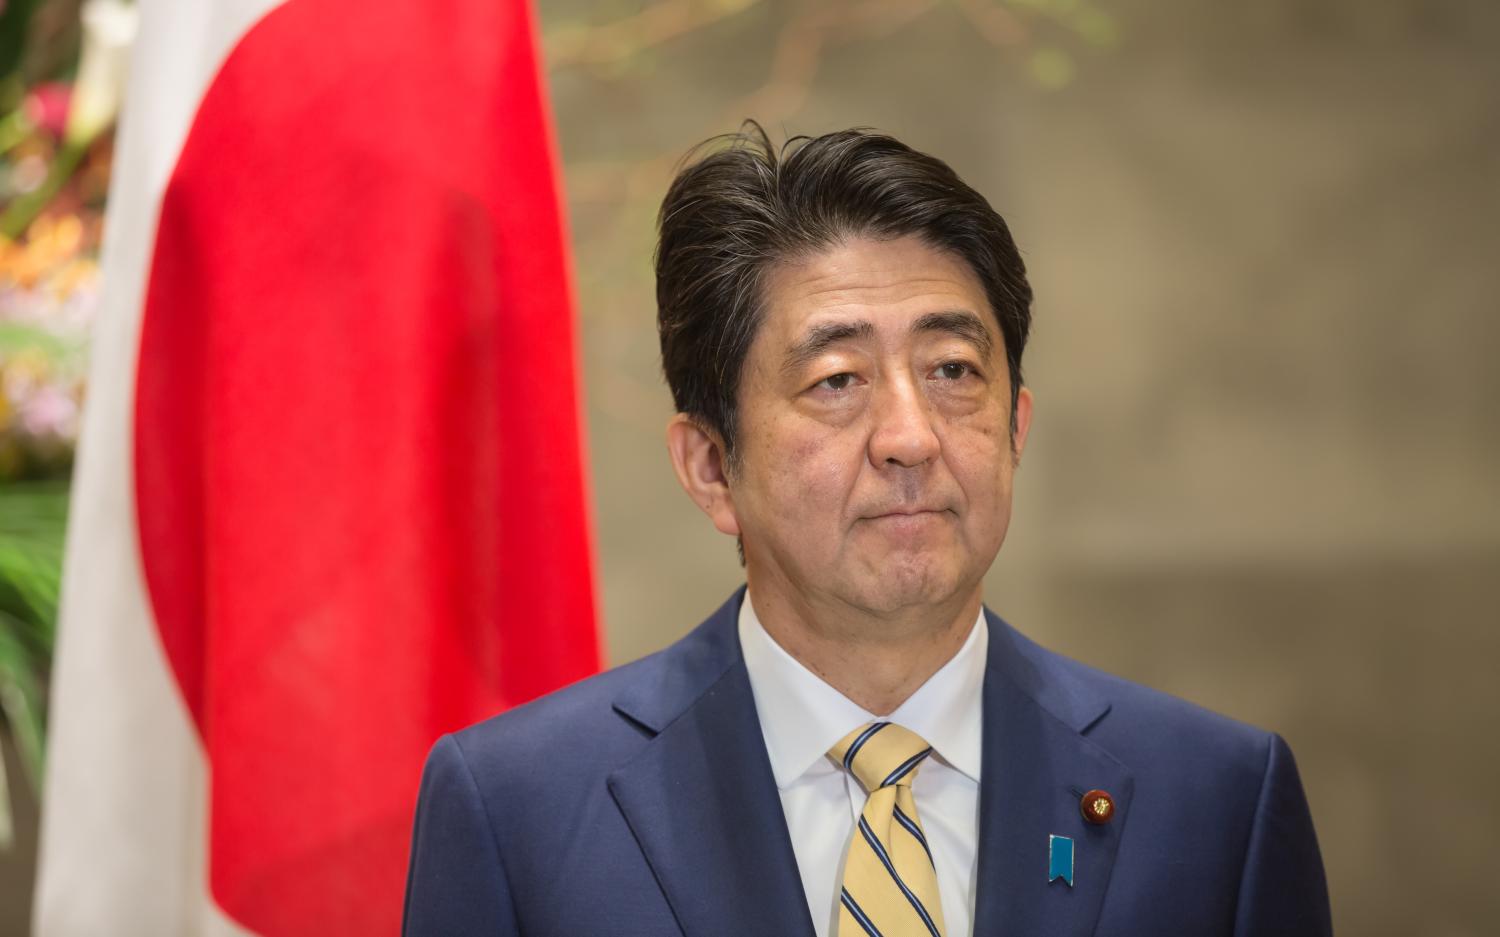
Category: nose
[903,433]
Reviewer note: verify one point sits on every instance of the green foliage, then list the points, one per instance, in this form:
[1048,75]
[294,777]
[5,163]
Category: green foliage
[15,25]
[33,522]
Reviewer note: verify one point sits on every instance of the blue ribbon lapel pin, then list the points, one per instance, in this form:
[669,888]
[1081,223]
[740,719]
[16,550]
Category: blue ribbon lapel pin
[1059,859]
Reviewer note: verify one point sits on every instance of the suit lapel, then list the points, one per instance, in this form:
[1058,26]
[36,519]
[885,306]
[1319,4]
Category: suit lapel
[701,801]
[1037,764]
[700,798]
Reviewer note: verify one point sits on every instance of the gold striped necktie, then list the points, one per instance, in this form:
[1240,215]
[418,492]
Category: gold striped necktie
[890,883]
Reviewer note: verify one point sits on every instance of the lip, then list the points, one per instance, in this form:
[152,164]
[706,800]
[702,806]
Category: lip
[913,512]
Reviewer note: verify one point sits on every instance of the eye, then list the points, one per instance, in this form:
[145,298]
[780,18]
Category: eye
[954,370]
[837,382]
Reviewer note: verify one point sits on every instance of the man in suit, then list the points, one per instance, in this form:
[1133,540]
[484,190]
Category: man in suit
[852,744]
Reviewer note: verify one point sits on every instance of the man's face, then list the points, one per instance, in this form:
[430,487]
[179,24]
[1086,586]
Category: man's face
[875,448]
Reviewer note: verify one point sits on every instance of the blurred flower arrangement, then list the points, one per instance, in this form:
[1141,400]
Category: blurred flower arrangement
[62,69]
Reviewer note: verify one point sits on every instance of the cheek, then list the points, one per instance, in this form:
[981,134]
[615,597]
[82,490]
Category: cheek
[815,475]
[807,476]
[978,454]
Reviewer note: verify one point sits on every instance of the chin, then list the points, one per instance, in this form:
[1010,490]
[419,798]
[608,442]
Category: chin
[909,581]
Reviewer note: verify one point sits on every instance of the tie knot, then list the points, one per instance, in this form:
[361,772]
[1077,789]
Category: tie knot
[881,754]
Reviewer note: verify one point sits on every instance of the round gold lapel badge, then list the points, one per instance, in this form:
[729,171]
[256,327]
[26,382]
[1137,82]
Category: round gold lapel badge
[1097,807]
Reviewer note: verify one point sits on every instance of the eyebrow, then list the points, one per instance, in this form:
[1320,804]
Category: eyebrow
[822,337]
[958,322]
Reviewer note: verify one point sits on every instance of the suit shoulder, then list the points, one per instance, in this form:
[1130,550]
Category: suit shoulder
[579,714]
[596,724]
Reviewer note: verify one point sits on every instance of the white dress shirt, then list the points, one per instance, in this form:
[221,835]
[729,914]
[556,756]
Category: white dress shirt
[802,717]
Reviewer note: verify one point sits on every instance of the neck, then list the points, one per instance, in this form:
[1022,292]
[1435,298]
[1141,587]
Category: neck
[876,660]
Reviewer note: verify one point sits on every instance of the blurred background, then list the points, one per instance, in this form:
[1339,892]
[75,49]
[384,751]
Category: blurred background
[1265,244]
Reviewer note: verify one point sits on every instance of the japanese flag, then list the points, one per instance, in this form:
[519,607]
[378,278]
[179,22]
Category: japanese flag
[329,499]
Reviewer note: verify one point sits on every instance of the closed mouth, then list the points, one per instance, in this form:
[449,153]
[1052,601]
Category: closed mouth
[914,512]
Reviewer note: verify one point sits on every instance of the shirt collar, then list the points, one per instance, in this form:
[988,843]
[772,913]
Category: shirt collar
[802,717]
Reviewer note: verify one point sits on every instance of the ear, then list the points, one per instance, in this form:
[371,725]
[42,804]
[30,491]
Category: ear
[698,459]
[1023,422]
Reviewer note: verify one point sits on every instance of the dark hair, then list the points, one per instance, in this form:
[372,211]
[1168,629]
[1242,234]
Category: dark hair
[731,215]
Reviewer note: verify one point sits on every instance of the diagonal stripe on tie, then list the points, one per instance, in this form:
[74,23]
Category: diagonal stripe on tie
[885,860]
[859,741]
[862,919]
[910,825]
[901,770]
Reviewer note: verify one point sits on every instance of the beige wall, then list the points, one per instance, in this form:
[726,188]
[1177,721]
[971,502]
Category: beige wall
[1264,242]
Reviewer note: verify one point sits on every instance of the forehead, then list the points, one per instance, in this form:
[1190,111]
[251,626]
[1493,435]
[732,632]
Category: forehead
[886,283]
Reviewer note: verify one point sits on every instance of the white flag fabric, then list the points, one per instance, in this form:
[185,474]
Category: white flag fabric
[124,833]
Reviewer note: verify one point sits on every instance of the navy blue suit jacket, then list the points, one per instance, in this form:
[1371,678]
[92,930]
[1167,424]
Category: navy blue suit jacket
[641,802]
